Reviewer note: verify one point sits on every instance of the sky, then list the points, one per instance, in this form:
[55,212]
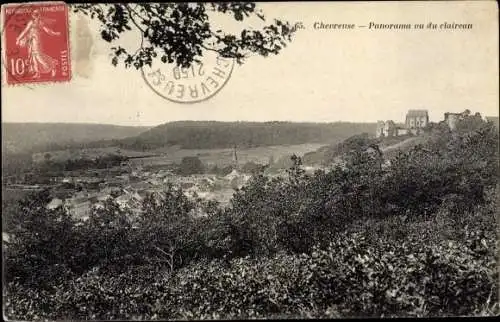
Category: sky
[359,75]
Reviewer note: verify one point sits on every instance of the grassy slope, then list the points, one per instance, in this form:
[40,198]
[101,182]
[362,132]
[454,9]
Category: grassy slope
[389,147]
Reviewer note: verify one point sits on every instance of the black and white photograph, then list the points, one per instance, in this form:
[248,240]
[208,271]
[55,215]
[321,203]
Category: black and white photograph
[250,160]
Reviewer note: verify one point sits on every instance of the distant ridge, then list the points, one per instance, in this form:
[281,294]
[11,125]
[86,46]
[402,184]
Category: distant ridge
[32,137]
[215,134]
[39,137]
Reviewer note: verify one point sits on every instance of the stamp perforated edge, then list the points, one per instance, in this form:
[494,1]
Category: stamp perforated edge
[3,56]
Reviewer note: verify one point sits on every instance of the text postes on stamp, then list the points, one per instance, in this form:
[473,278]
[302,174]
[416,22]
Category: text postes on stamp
[36,43]
[189,85]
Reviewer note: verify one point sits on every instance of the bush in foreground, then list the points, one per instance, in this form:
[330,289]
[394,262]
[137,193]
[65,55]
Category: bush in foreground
[353,277]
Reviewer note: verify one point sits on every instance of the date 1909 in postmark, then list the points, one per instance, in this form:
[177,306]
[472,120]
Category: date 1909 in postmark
[197,83]
[36,42]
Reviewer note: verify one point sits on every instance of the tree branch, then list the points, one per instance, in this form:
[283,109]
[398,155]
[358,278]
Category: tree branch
[162,251]
[129,10]
[210,49]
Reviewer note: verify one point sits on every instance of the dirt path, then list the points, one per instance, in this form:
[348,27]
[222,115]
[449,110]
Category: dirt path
[403,144]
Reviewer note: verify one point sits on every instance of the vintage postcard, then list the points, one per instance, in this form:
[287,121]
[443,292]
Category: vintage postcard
[247,160]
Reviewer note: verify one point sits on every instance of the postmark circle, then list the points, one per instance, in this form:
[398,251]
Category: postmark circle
[195,84]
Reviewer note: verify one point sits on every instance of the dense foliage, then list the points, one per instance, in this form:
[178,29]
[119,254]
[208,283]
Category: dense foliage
[351,277]
[100,162]
[415,236]
[181,32]
[20,167]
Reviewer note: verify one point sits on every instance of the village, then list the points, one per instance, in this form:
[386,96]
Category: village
[128,189]
[128,183]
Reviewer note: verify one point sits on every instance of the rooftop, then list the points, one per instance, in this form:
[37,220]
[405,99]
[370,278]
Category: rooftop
[417,113]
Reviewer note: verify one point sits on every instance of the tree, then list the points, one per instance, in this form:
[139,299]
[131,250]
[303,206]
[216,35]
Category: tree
[167,230]
[191,165]
[180,32]
[40,241]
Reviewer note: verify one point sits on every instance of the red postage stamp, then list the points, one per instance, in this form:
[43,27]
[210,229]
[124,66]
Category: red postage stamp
[36,42]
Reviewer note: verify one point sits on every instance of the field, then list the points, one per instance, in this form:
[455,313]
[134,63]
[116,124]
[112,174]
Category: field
[220,157]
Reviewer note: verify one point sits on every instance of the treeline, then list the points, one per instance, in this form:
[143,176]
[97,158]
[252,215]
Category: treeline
[208,135]
[416,237]
[20,168]
[100,162]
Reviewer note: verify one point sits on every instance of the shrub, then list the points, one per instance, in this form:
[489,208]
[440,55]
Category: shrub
[39,239]
[352,277]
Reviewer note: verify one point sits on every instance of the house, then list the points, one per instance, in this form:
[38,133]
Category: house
[123,200]
[80,210]
[5,238]
[234,174]
[54,204]
[102,196]
[416,120]
[130,200]
[310,169]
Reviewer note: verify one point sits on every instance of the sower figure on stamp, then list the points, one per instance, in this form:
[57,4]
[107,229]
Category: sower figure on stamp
[39,62]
